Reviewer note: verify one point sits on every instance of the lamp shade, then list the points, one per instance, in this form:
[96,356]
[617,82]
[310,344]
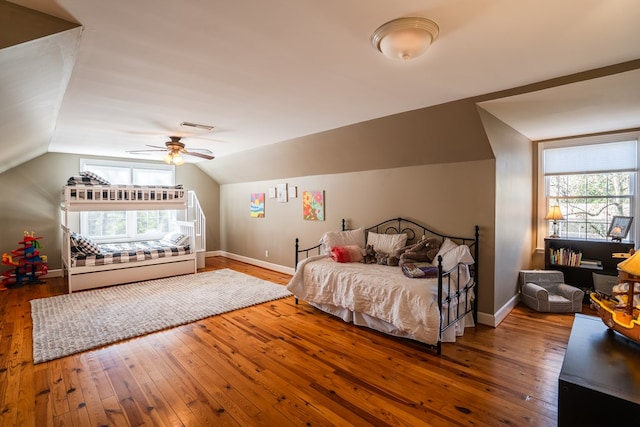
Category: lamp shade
[554,213]
[631,265]
[405,38]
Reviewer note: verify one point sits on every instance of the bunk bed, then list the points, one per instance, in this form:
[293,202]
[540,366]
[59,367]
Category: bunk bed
[90,266]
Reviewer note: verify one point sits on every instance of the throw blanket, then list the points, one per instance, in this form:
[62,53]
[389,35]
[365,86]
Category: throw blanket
[379,291]
[419,270]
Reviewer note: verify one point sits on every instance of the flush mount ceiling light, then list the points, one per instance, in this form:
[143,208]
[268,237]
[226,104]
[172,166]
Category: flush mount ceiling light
[405,38]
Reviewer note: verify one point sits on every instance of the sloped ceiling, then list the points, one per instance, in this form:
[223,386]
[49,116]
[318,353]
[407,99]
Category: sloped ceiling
[37,55]
[267,72]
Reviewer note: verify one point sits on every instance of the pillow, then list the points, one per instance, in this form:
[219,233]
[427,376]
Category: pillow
[175,239]
[342,238]
[387,243]
[80,244]
[351,253]
[459,254]
[446,246]
[92,178]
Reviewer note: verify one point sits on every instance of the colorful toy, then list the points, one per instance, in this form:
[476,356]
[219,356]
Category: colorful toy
[27,266]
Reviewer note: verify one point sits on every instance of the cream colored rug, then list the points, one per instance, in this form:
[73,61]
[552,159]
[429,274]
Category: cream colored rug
[68,324]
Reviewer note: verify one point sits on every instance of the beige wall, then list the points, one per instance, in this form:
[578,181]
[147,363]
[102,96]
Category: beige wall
[513,202]
[30,200]
[446,133]
[451,198]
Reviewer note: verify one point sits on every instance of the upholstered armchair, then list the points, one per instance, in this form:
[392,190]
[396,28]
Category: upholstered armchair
[545,291]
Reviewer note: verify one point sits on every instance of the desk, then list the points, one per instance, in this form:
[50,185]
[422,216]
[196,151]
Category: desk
[599,382]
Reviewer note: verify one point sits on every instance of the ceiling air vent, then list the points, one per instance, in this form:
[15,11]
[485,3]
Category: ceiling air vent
[196,125]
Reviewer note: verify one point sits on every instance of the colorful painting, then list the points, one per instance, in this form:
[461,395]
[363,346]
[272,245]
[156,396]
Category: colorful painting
[313,205]
[257,205]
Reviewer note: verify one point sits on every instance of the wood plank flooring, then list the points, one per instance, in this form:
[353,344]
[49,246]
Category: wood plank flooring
[281,364]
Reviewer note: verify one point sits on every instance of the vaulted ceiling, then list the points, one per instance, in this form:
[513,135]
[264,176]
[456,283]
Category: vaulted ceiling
[103,78]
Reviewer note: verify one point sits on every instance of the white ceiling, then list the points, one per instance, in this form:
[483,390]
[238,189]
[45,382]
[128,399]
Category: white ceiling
[263,72]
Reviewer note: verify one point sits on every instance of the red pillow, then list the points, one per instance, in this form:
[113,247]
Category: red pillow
[350,253]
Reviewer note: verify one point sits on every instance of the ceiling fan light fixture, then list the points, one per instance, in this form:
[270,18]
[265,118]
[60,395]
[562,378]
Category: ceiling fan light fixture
[405,38]
[178,160]
[167,158]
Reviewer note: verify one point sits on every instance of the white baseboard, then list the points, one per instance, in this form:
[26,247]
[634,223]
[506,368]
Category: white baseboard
[494,320]
[54,273]
[275,267]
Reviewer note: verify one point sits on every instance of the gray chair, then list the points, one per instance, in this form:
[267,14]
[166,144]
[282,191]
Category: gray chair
[545,291]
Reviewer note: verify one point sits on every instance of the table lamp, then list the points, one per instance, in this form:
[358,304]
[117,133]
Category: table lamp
[554,214]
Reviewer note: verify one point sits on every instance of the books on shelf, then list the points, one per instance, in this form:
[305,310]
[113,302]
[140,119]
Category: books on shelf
[565,256]
[591,263]
[571,258]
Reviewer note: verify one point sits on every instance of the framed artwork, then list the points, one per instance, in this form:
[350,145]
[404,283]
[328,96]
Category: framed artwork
[293,192]
[282,193]
[313,205]
[619,227]
[257,205]
[272,192]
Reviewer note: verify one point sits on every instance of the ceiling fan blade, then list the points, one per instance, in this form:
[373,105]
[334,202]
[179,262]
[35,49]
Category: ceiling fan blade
[200,150]
[143,151]
[201,155]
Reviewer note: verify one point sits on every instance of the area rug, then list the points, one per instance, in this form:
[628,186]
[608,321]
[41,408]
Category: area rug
[68,324]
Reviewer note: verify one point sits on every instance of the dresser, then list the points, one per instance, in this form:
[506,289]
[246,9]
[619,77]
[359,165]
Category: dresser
[599,383]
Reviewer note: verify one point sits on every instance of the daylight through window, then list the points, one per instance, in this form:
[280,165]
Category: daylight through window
[105,226]
[591,184]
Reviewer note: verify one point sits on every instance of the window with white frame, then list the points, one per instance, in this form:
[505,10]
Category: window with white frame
[104,226]
[590,183]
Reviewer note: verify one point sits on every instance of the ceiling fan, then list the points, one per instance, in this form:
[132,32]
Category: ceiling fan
[175,149]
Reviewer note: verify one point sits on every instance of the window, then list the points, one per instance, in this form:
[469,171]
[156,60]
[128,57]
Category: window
[128,225]
[591,183]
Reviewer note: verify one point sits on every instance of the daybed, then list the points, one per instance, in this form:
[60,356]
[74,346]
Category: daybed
[88,265]
[431,309]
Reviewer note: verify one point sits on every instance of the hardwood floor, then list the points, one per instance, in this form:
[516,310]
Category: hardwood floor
[278,364]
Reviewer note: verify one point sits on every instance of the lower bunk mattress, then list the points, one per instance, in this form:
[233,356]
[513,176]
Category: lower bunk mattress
[120,253]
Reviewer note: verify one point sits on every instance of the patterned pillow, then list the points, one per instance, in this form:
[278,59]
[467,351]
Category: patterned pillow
[87,178]
[175,239]
[80,244]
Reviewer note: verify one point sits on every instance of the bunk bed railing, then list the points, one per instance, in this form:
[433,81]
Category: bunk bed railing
[99,193]
[196,214]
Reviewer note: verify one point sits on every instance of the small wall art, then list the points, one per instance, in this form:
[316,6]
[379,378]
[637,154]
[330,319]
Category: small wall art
[313,205]
[272,192]
[282,193]
[293,192]
[257,205]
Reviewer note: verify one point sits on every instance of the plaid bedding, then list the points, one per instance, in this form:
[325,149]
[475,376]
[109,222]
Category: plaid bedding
[119,253]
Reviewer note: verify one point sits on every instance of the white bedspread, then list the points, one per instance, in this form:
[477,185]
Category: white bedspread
[383,292]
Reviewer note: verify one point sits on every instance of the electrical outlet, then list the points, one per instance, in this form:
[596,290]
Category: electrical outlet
[266,254]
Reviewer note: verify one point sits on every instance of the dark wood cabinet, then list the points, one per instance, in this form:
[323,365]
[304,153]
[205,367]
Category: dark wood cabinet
[595,256]
[599,383]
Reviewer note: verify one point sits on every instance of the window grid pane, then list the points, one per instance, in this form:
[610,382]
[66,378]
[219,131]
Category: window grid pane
[590,201]
[110,225]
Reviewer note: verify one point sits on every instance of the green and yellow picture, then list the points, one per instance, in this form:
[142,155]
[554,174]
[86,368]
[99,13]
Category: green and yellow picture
[257,205]
[313,205]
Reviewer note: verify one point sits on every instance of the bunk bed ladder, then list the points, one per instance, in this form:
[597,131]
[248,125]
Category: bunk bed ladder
[195,214]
